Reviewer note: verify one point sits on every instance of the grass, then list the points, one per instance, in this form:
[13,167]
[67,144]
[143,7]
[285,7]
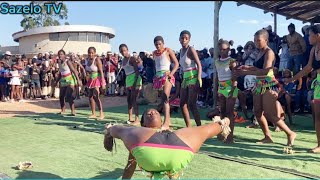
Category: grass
[58,150]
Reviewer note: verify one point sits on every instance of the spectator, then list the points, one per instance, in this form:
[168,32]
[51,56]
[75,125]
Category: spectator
[35,79]
[149,66]
[284,56]
[250,53]
[233,53]
[297,47]
[305,32]
[311,80]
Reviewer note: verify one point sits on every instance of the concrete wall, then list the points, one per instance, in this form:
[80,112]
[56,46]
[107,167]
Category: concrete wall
[40,43]
[12,49]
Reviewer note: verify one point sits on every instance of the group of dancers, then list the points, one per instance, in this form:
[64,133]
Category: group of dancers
[160,151]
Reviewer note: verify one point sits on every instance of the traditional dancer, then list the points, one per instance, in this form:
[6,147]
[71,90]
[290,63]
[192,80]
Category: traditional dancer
[161,152]
[164,79]
[133,82]
[192,81]
[68,79]
[227,90]
[266,91]
[95,82]
[313,65]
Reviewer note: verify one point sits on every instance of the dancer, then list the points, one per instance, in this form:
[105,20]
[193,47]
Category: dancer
[266,90]
[192,81]
[133,82]
[161,152]
[68,79]
[79,69]
[227,91]
[95,82]
[313,64]
[164,79]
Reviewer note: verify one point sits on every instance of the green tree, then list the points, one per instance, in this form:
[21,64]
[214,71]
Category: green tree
[44,19]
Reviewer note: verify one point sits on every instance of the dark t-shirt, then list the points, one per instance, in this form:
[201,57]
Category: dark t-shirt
[149,66]
[34,72]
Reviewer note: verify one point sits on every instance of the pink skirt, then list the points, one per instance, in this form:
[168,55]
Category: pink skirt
[95,80]
[158,82]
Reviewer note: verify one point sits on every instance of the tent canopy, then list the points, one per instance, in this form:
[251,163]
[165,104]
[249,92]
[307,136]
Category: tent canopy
[305,11]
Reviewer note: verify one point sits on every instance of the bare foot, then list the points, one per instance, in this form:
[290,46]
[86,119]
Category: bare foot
[62,112]
[92,116]
[101,117]
[229,140]
[165,127]
[73,114]
[252,126]
[277,129]
[315,150]
[291,138]
[134,123]
[265,140]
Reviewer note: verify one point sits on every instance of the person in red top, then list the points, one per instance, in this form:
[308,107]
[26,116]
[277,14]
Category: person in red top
[111,66]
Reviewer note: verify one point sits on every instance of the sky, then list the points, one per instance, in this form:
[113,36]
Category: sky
[137,23]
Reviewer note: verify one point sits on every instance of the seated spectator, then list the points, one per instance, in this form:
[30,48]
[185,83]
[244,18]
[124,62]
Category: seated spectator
[311,79]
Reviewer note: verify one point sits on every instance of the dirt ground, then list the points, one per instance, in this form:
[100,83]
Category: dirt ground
[8,109]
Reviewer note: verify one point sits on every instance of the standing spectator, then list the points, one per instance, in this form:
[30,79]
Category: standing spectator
[110,68]
[7,64]
[35,79]
[297,47]
[149,66]
[250,53]
[26,78]
[3,81]
[284,56]
[15,83]
[305,32]
[239,55]
[233,53]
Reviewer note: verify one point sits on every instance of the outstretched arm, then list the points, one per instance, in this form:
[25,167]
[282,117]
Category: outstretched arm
[130,167]
[175,61]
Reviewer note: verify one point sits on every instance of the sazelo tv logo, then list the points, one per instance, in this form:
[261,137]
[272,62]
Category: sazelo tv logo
[6,8]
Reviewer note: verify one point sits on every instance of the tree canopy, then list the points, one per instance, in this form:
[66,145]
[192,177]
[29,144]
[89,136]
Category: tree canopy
[45,19]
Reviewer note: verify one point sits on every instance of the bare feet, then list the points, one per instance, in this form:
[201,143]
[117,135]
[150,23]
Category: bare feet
[315,150]
[277,129]
[225,129]
[252,126]
[291,138]
[134,123]
[165,127]
[101,117]
[265,140]
[62,112]
[230,140]
[92,116]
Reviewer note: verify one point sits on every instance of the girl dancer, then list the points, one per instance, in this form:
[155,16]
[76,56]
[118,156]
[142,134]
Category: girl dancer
[266,91]
[133,82]
[95,81]
[227,89]
[313,64]
[164,79]
[192,81]
[68,79]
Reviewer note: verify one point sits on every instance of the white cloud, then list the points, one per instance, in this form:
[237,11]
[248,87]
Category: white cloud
[268,22]
[248,21]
